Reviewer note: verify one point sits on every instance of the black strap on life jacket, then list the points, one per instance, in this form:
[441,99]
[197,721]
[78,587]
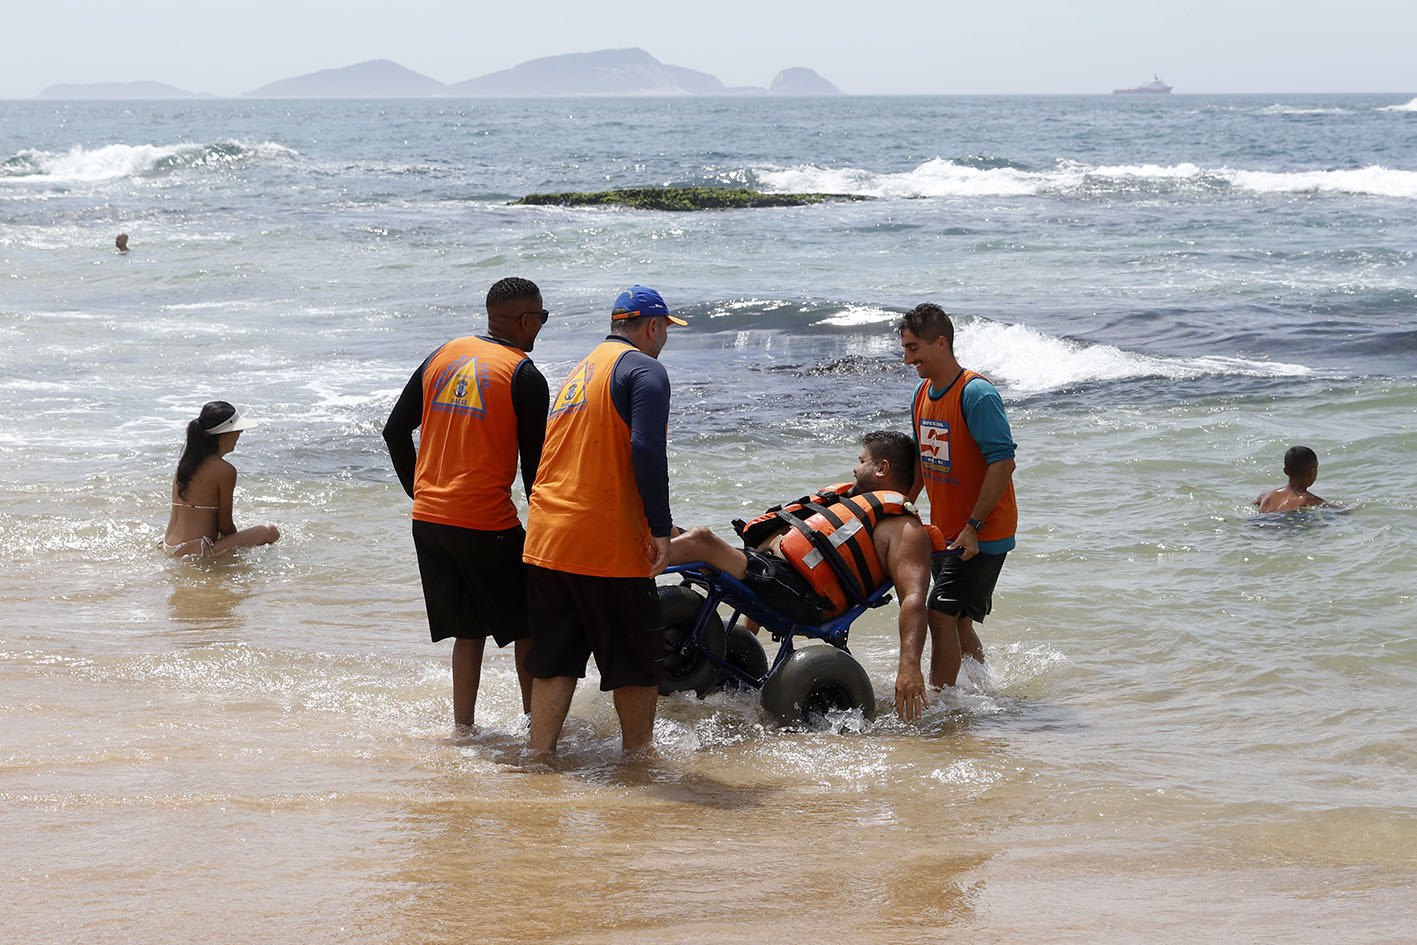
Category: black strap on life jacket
[819,499]
[855,593]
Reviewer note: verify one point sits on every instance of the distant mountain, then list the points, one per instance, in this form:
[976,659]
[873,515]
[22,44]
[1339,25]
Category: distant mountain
[118,90]
[605,72]
[377,78]
[696,83]
[800,81]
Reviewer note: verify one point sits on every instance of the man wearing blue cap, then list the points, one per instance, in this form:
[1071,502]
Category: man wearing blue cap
[598,527]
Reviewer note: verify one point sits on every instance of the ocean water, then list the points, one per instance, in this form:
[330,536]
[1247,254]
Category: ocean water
[1195,724]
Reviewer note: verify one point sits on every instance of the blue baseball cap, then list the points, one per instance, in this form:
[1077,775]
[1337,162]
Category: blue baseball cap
[642,302]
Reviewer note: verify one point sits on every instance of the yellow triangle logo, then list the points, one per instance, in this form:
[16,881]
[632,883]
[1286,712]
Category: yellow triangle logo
[458,388]
[572,393]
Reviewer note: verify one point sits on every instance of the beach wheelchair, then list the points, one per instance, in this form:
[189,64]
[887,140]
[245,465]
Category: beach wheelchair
[799,687]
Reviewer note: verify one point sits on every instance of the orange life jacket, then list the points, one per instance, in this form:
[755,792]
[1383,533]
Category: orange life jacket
[830,541]
[758,530]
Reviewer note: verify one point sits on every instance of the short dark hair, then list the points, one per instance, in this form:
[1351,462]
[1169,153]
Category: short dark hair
[927,321]
[898,449]
[1299,459]
[504,290]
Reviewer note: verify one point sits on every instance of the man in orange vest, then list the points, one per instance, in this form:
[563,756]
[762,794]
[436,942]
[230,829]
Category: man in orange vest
[598,527]
[901,548]
[481,404]
[966,468]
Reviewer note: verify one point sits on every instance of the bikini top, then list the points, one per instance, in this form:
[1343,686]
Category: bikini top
[202,508]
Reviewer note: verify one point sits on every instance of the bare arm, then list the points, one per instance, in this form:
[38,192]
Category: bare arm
[908,561]
[996,480]
[225,487]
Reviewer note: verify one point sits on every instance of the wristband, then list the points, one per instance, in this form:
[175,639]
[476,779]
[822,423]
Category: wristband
[975,524]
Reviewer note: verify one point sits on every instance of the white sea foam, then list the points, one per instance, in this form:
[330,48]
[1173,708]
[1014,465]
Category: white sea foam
[1147,171]
[1409,107]
[934,178]
[942,178]
[1373,180]
[855,315]
[114,161]
[1030,361]
[1294,110]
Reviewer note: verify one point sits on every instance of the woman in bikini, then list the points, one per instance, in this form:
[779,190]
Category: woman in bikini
[201,491]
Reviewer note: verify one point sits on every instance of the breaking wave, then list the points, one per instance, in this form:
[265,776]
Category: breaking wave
[115,161]
[1409,107]
[1029,361]
[940,177]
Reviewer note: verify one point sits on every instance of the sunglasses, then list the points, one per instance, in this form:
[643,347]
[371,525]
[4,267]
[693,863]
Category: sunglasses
[542,312]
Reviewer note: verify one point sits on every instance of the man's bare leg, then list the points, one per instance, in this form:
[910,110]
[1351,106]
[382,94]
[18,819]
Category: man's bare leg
[519,651]
[944,649]
[635,705]
[467,676]
[700,544]
[550,701]
[969,642]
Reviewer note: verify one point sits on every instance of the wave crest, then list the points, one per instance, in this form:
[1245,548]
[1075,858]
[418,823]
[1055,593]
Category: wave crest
[940,177]
[1028,361]
[1409,107]
[115,161]
[1023,359]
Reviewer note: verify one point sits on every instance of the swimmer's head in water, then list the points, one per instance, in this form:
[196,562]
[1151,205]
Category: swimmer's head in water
[1301,466]
[121,241]
[1299,461]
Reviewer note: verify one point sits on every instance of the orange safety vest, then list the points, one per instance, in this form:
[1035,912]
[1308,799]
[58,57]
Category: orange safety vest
[953,467]
[467,449]
[585,514]
[835,546]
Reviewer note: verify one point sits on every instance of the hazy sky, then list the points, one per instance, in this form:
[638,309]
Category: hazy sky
[929,46]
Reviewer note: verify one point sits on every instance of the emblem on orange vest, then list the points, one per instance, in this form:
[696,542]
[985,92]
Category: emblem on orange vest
[935,447]
[458,387]
[572,393]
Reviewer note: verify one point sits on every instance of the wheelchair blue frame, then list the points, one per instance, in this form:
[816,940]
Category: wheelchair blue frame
[721,588]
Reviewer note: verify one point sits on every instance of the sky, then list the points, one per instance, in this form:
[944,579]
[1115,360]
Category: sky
[914,47]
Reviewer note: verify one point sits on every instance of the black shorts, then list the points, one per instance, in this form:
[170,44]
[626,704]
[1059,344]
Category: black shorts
[965,588]
[474,582]
[576,615]
[782,587]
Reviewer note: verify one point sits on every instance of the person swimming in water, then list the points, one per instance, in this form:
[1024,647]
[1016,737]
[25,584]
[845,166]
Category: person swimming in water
[200,523]
[1301,465]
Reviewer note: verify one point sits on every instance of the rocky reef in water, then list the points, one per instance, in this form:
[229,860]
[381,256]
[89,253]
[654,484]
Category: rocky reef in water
[680,198]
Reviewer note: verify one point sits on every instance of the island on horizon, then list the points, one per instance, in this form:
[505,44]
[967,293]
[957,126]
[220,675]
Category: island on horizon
[603,73]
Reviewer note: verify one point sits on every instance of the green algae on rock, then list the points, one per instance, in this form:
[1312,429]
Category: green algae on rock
[680,198]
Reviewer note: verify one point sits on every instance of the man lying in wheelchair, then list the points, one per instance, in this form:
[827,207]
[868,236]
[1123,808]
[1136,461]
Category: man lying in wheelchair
[825,556]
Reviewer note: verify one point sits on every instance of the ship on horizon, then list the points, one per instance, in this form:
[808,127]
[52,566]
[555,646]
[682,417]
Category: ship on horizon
[1154,87]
